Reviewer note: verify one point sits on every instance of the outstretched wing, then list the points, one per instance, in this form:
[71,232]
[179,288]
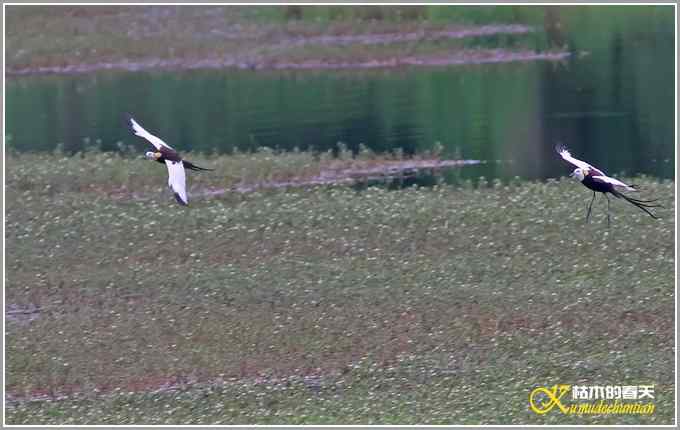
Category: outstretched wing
[566,156]
[614,182]
[139,131]
[177,181]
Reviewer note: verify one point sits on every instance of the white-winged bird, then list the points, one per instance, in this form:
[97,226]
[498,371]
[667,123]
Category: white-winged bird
[597,181]
[167,155]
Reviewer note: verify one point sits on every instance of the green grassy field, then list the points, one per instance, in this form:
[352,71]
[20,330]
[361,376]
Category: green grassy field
[442,305]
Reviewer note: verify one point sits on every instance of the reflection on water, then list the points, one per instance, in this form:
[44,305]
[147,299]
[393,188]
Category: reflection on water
[611,103]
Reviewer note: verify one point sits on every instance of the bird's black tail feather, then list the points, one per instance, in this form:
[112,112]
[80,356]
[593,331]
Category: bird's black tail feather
[642,204]
[643,201]
[190,166]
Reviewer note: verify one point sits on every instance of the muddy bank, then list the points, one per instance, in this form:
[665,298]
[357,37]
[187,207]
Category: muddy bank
[462,58]
[350,175]
[480,56]
[341,175]
[159,385]
[22,315]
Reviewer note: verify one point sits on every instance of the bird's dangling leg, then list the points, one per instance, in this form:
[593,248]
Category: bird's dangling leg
[590,207]
[608,214]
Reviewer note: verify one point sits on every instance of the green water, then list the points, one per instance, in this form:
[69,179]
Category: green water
[611,103]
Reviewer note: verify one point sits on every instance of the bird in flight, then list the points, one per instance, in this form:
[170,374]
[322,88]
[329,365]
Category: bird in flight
[597,181]
[165,154]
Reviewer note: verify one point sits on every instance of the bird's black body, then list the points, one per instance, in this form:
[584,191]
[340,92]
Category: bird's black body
[597,185]
[169,154]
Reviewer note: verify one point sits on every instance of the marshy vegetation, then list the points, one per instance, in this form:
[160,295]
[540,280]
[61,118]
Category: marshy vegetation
[324,304]
[297,288]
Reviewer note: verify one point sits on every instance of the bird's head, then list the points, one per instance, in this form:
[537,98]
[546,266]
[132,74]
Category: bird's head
[152,155]
[579,174]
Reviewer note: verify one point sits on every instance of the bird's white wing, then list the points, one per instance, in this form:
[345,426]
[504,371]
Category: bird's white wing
[177,181]
[139,131]
[566,156]
[614,182]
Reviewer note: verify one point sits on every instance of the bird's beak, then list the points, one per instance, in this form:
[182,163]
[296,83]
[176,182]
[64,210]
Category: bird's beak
[571,175]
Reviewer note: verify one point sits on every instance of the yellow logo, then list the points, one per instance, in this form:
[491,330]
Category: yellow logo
[593,399]
[551,398]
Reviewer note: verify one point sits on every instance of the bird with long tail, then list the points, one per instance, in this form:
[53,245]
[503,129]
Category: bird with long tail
[165,154]
[597,181]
